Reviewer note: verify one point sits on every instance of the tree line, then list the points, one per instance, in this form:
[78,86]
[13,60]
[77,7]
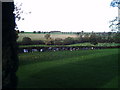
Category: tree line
[92,38]
[47,32]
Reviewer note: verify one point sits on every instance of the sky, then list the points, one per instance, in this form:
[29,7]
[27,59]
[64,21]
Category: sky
[66,15]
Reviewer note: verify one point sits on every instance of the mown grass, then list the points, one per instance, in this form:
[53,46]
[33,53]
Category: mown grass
[99,44]
[42,46]
[65,69]
[79,44]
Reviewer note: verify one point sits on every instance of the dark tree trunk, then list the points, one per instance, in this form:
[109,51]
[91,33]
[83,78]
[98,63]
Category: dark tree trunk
[9,47]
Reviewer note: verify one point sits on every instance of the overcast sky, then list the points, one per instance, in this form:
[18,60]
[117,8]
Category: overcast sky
[67,15]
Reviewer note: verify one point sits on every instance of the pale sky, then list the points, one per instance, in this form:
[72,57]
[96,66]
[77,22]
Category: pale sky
[67,15]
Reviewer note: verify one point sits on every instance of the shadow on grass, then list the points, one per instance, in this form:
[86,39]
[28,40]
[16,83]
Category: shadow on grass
[90,73]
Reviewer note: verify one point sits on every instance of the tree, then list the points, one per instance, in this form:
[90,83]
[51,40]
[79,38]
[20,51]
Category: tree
[115,23]
[34,31]
[99,39]
[47,36]
[68,40]
[78,33]
[58,41]
[17,32]
[82,32]
[85,38]
[9,47]
[117,37]
[109,37]
[18,13]
[37,42]
[49,40]
[93,39]
[22,31]
[26,41]
[115,3]
[39,31]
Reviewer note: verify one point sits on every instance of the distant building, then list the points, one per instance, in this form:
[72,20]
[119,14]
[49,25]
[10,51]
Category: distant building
[55,31]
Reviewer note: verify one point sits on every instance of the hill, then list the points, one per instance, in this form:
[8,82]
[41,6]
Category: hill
[40,36]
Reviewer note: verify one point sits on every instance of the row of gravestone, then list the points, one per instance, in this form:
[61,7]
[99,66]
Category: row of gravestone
[43,49]
[24,50]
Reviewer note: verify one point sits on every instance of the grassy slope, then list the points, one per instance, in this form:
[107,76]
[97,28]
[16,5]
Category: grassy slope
[38,36]
[79,44]
[99,44]
[77,69]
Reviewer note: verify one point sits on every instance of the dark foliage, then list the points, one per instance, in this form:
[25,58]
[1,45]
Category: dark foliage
[26,41]
[22,31]
[39,31]
[117,38]
[37,42]
[68,41]
[34,31]
[47,36]
[58,41]
[93,39]
[9,47]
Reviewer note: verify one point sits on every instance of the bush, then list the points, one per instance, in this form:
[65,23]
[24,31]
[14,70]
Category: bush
[26,41]
[39,31]
[34,31]
[22,31]
[93,39]
[94,43]
[49,41]
[69,40]
[58,41]
[47,36]
[37,42]
[117,38]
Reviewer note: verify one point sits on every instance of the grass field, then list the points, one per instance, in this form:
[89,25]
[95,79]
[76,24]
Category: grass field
[38,36]
[79,44]
[65,69]
[99,44]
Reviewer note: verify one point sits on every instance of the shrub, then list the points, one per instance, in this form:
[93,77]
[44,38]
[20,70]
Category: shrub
[117,37]
[22,31]
[47,36]
[49,41]
[34,31]
[39,31]
[36,42]
[26,41]
[58,41]
[93,39]
[69,40]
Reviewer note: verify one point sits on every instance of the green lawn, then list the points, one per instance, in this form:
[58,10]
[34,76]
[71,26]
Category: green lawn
[65,69]
[99,44]
[79,44]
[41,45]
